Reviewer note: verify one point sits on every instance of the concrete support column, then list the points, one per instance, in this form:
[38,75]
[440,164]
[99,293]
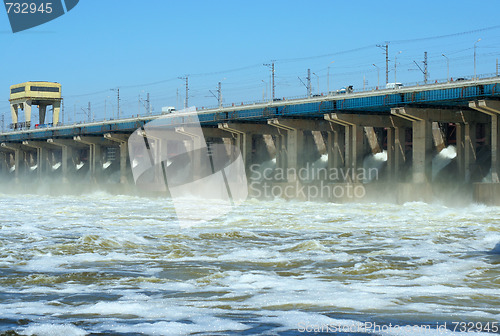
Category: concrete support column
[492,108]
[42,109]
[319,141]
[466,149]
[19,158]
[27,112]
[437,135]
[495,146]
[460,147]
[423,135]
[67,152]
[422,149]
[399,150]
[270,145]
[396,148]
[197,148]
[470,149]
[292,142]
[95,154]
[5,158]
[55,114]
[391,149]
[355,145]
[42,156]
[122,139]
[373,140]
[336,147]
[243,135]
[14,113]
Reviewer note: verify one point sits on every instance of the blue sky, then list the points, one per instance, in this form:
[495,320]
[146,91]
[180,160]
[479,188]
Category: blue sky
[104,44]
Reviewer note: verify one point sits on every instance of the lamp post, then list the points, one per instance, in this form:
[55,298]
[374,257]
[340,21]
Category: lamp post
[117,102]
[328,77]
[264,90]
[317,77]
[112,108]
[475,57]
[395,66]
[447,67]
[378,75]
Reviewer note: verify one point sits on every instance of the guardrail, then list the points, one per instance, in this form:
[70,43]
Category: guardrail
[374,90]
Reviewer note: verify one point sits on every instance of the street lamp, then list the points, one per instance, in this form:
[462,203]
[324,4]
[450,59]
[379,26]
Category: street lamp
[395,66]
[328,77]
[447,67]
[475,57]
[112,107]
[264,90]
[378,75]
[317,77]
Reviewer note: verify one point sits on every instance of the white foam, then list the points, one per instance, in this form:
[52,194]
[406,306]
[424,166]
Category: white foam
[53,330]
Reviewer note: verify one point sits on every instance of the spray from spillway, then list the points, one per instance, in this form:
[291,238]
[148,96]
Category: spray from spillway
[374,161]
[440,161]
[264,171]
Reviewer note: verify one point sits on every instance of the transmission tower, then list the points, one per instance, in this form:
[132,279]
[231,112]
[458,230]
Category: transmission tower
[386,51]
[271,66]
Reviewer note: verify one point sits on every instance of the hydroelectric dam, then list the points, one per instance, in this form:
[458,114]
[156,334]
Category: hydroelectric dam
[407,127]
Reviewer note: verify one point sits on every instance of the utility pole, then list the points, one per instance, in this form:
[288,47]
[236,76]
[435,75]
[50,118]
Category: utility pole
[386,50]
[273,87]
[90,113]
[426,73]
[447,67]
[497,68]
[117,102]
[146,103]
[219,94]
[395,66]
[3,122]
[475,58]
[309,89]
[62,111]
[328,77]
[424,70]
[186,102]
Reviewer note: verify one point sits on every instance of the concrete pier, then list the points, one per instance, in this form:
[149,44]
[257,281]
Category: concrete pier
[419,128]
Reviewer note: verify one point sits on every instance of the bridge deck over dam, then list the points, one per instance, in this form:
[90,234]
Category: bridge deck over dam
[412,124]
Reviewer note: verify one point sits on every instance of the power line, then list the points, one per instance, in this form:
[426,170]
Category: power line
[445,36]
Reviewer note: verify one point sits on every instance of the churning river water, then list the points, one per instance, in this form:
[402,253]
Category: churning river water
[120,265]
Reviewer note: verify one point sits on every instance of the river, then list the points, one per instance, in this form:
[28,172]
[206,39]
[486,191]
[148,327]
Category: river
[121,265]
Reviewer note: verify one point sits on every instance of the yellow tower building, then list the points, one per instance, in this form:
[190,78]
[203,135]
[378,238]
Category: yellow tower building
[42,94]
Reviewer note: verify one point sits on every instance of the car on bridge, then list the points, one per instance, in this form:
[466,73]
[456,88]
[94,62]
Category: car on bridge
[394,86]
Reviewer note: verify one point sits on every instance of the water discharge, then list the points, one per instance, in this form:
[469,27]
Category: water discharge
[103,264]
